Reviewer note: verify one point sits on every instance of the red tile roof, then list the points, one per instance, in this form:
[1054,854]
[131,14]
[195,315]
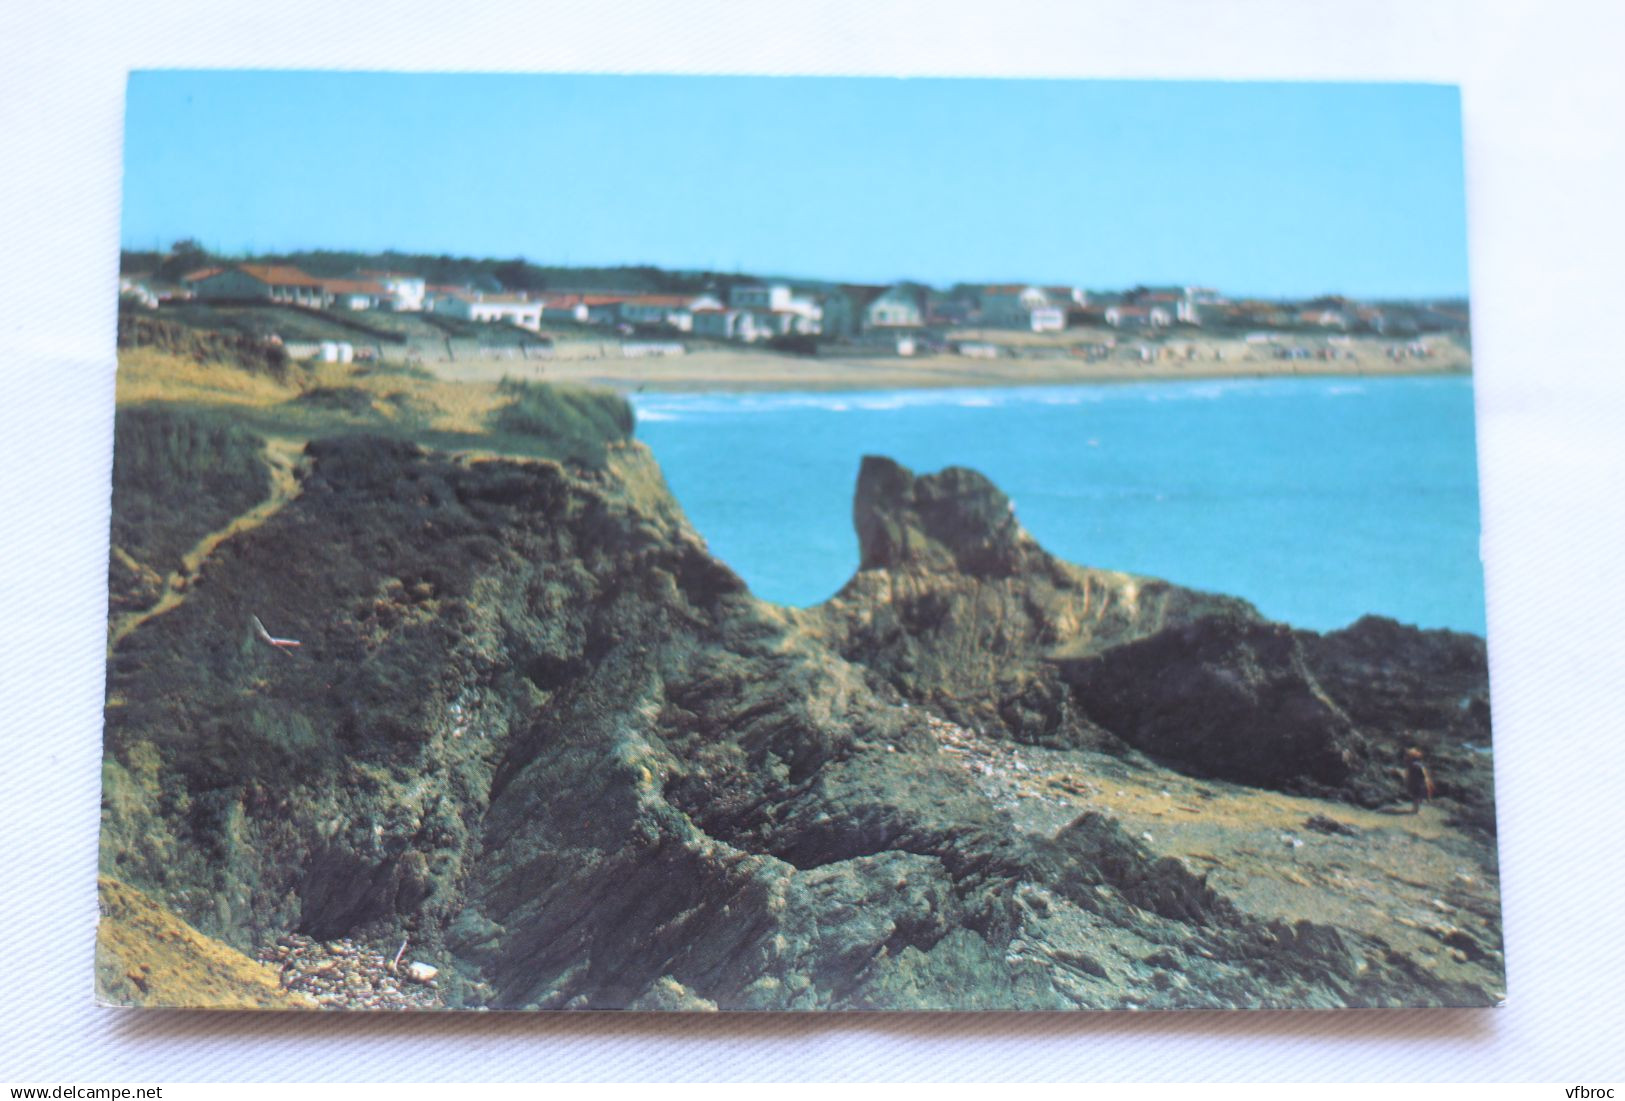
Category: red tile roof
[353,286]
[278,275]
[571,301]
[477,297]
[672,301]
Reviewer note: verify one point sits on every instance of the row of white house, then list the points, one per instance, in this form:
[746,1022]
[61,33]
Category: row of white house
[752,311]
[288,285]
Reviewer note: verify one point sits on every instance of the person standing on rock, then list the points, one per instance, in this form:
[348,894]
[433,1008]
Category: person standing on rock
[1418,780]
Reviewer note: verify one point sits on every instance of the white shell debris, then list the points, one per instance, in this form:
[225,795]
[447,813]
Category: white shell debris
[421,972]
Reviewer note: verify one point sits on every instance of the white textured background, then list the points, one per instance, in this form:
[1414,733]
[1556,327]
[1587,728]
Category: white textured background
[1544,96]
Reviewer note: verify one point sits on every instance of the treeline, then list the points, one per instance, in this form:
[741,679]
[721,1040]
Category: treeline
[483,274]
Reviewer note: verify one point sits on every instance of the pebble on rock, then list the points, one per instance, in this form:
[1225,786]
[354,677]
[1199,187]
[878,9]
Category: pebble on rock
[344,974]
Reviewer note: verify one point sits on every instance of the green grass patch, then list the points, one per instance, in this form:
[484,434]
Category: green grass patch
[578,422]
[288,322]
[350,400]
[140,329]
[178,476]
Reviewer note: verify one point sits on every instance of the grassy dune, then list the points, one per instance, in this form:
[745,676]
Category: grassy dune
[147,956]
[210,442]
[497,415]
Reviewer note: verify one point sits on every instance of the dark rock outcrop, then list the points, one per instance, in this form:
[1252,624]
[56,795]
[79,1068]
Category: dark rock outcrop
[1404,687]
[536,727]
[957,608]
[1224,696]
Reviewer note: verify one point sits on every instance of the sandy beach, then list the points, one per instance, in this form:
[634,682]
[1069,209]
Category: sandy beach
[1023,362]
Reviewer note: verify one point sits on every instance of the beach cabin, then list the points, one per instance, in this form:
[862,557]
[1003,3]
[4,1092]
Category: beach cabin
[564,307]
[777,309]
[899,307]
[1180,303]
[354,294]
[402,292]
[1137,317]
[1016,306]
[671,310]
[760,296]
[514,309]
[280,283]
[715,322]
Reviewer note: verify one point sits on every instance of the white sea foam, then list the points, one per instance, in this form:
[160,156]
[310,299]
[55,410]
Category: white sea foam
[668,406]
[1103,475]
[866,401]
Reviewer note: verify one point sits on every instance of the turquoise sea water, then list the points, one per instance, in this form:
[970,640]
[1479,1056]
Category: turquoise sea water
[1319,500]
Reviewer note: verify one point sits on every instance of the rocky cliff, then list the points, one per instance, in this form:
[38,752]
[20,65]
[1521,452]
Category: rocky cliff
[534,728]
[955,606]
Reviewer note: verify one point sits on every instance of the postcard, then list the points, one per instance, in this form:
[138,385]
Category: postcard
[722,543]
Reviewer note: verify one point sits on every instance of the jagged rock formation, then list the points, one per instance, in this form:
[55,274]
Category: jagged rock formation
[957,607]
[536,727]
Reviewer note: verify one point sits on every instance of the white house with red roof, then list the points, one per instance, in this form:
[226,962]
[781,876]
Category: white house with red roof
[673,310]
[718,322]
[756,311]
[356,294]
[776,309]
[565,307]
[1138,316]
[151,291]
[402,291]
[282,283]
[514,309]
[1022,306]
[1181,303]
[897,307]
[583,307]
[749,326]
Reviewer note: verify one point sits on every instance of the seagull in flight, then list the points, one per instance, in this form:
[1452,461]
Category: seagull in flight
[283,644]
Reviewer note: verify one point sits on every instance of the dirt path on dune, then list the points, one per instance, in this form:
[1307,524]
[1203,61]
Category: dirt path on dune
[282,458]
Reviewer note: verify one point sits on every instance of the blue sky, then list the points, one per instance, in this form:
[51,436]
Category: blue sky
[1268,189]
